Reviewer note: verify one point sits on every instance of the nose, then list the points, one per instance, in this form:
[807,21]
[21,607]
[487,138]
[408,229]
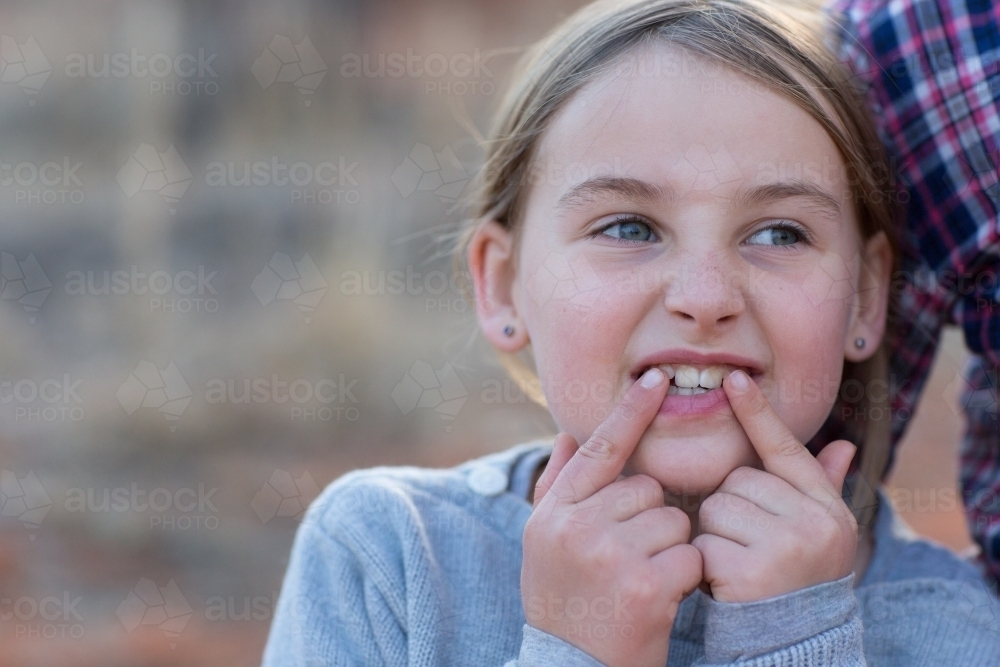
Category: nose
[706,293]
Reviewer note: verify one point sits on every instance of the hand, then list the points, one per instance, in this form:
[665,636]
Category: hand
[764,534]
[606,564]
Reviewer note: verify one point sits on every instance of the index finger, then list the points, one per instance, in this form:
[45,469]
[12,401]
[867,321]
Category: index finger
[782,453]
[600,460]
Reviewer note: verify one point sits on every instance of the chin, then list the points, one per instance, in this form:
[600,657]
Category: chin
[692,466]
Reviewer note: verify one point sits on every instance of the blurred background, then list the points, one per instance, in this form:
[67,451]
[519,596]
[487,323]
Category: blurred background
[222,289]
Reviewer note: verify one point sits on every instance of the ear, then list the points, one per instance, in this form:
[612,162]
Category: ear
[493,267]
[872,299]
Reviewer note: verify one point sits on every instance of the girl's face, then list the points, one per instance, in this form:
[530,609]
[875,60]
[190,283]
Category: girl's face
[682,215]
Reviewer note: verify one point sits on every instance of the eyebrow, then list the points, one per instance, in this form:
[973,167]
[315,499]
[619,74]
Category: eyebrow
[634,189]
[785,190]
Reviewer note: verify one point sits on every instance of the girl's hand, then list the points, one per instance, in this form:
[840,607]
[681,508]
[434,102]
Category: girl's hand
[606,564]
[764,534]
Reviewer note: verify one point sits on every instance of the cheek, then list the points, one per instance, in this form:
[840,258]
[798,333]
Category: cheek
[578,353]
[807,341]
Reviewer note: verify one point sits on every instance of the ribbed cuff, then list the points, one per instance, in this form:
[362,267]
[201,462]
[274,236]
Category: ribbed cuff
[743,630]
[540,649]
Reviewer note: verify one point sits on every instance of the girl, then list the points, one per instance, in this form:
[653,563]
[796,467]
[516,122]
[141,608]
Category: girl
[682,212]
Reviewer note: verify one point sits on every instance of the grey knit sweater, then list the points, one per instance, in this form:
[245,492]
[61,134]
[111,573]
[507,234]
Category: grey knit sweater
[410,566]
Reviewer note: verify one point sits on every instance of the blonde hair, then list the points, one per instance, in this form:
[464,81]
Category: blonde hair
[777,45]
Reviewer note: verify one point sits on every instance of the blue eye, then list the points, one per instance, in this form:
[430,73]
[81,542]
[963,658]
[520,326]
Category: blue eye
[630,230]
[778,235]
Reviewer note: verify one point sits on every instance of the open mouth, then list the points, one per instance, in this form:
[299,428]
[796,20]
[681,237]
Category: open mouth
[691,380]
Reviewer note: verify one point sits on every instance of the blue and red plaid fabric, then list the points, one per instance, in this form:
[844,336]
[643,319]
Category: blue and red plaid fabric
[930,70]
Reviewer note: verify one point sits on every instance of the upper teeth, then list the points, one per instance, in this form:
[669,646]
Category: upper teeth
[689,376]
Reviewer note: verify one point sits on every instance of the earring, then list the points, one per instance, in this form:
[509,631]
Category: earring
[508,330]
[859,343]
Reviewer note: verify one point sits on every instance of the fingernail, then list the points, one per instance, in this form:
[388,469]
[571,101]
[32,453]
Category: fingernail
[739,380]
[651,378]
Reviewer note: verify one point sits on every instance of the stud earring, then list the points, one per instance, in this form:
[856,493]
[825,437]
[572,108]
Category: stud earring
[508,330]
[859,343]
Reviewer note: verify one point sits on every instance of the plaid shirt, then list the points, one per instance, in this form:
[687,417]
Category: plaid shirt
[931,74]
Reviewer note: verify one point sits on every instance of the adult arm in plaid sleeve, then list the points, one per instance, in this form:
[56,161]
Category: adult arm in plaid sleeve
[931,73]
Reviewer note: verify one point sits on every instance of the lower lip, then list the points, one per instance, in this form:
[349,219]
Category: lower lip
[699,404]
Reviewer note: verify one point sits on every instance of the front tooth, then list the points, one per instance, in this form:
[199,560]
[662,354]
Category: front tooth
[669,370]
[711,378]
[686,376]
[685,391]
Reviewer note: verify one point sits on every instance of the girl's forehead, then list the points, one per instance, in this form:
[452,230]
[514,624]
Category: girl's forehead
[660,109]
